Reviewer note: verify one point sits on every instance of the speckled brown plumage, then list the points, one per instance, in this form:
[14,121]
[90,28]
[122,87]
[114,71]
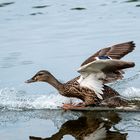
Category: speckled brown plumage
[72,88]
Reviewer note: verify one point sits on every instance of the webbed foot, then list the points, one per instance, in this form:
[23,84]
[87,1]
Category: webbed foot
[73,106]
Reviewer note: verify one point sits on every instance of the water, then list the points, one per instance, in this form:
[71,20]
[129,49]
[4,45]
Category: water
[58,36]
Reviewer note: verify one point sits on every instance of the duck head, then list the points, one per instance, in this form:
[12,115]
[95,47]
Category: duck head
[41,76]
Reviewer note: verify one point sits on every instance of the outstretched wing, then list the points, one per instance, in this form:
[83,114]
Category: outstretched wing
[94,73]
[115,52]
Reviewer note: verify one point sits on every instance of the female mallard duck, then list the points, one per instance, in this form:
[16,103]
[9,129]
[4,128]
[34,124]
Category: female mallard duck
[101,68]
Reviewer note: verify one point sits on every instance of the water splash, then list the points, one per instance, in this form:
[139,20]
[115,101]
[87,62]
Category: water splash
[121,84]
[12,99]
[20,105]
[131,93]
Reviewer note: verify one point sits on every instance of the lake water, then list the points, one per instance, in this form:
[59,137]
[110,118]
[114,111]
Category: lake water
[58,36]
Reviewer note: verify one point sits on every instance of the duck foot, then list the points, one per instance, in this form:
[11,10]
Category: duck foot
[72,106]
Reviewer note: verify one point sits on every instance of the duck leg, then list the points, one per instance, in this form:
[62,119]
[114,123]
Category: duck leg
[73,106]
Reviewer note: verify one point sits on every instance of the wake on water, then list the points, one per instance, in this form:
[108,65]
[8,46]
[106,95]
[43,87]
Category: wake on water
[12,99]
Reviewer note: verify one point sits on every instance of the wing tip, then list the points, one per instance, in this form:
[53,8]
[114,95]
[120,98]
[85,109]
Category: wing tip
[132,44]
[126,47]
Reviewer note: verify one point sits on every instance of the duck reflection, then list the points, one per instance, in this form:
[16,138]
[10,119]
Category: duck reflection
[90,126]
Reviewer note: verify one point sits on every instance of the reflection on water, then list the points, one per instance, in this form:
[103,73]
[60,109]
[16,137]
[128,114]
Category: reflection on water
[89,126]
[70,125]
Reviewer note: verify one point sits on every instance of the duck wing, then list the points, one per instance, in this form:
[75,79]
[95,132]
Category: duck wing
[94,73]
[115,52]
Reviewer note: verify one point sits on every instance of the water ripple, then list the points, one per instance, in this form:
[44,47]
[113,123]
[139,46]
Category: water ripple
[78,8]
[6,4]
[37,13]
[41,6]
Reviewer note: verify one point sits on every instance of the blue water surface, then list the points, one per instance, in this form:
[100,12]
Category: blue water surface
[58,36]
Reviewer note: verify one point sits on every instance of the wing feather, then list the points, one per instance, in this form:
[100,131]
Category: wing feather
[95,73]
[106,66]
[115,52]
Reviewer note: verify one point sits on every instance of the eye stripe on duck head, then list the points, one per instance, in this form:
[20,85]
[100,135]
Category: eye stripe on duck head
[42,75]
[43,72]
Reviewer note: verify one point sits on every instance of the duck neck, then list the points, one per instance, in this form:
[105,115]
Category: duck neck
[55,83]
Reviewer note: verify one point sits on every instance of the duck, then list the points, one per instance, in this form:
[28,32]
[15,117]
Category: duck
[91,86]
[89,126]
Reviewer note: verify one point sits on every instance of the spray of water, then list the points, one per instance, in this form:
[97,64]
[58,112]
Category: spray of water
[12,99]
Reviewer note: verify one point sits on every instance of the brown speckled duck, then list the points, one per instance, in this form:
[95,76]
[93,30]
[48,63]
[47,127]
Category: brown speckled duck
[103,67]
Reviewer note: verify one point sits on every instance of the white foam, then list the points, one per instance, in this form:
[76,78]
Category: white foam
[131,93]
[18,100]
[12,99]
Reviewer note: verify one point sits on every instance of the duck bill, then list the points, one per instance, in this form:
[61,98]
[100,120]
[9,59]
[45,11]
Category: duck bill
[30,81]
